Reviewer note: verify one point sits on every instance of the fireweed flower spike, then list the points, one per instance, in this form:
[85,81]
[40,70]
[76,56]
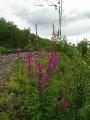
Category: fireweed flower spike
[35,66]
[42,82]
[39,70]
[42,76]
[29,60]
[64,103]
[52,61]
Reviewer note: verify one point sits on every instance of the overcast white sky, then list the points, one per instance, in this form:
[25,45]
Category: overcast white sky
[24,13]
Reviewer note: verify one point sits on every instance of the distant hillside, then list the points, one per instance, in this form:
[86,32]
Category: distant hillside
[12,37]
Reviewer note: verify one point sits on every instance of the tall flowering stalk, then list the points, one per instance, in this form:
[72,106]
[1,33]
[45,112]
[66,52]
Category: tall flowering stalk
[18,50]
[42,77]
[52,61]
[29,60]
[41,73]
[51,65]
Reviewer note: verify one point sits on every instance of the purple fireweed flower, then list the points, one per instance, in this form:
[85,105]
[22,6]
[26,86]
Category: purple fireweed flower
[42,82]
[47,66]
[35,66]
[18,50]
[29,60]
[52,61]
[64,103]
[39,70]
[42,76]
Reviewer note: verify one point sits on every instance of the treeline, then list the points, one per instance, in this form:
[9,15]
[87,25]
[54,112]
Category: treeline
[12,37]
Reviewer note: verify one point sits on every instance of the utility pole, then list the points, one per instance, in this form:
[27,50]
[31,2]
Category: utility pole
[37,47]
[60,20]
[53,30]
[54,40]
[37,39]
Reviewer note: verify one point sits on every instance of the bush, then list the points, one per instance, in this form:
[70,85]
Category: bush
[2,49]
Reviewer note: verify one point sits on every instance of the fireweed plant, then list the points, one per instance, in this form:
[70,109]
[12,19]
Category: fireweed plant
[43,76]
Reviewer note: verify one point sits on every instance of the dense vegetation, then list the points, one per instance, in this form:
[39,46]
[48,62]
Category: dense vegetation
[11,37]
[55,86]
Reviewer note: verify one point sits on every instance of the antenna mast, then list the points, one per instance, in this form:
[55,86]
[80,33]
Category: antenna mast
[54,40]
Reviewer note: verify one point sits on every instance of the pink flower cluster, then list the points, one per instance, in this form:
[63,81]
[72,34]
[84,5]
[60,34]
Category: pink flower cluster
[50,65]
[64,103]
[52,61]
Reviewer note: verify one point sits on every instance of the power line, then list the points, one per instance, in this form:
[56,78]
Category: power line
[50,2]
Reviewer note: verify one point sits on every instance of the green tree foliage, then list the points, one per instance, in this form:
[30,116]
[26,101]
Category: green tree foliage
[83,47]
[12,37]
